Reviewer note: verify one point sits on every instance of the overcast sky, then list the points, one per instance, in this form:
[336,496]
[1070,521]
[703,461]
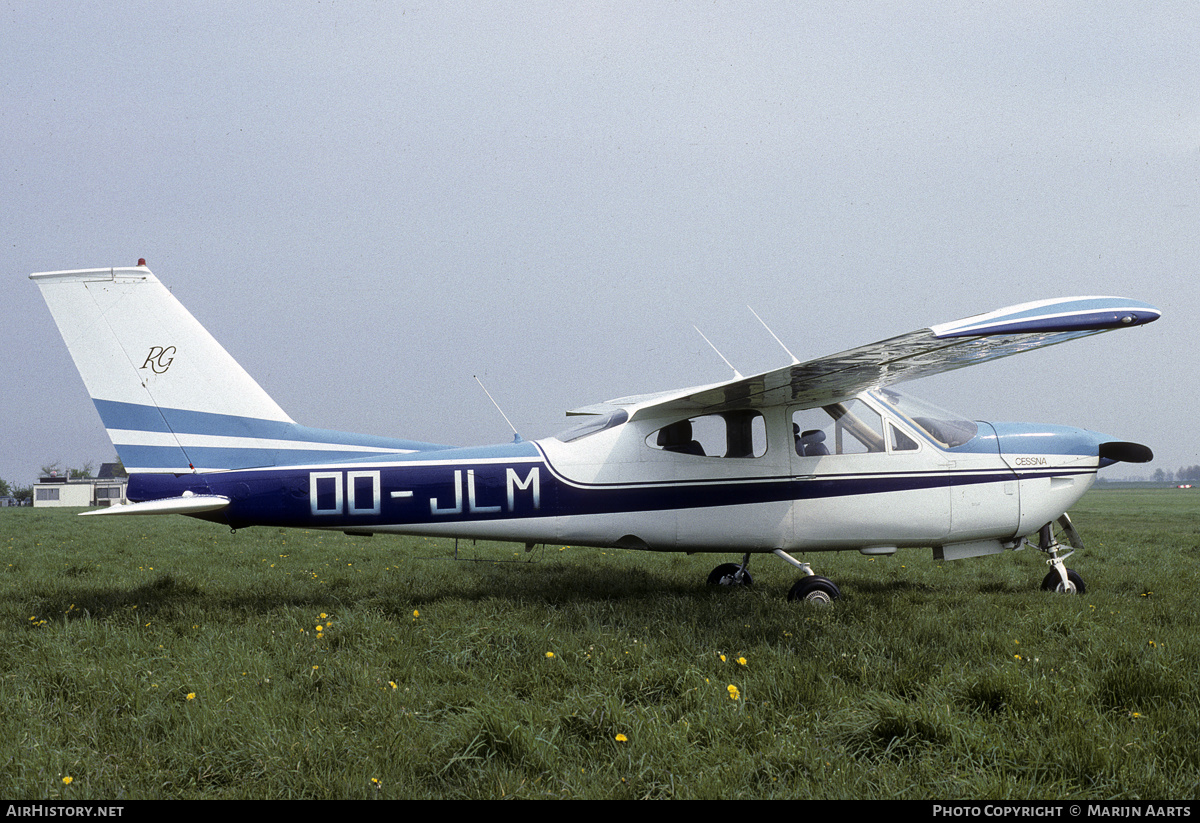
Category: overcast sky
[368,203]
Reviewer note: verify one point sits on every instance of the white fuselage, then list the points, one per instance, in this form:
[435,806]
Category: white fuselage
[615,487]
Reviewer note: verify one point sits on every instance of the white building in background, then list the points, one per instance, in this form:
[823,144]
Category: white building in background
[102,490]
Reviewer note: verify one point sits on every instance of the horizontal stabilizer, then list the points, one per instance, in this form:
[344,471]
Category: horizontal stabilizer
[188,504]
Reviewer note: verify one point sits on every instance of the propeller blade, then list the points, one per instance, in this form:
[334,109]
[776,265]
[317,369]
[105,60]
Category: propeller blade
[1123,452]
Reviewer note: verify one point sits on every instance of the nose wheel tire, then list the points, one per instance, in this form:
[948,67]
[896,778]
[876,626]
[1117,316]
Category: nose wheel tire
[1053,582]
[1049,543]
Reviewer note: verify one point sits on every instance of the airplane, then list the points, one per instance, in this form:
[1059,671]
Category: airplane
[823,455]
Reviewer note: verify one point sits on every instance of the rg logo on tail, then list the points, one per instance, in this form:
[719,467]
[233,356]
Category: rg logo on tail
[159,359]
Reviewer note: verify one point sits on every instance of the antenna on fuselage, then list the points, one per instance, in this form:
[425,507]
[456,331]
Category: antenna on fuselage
[777,340]
[736,373]
[516,434]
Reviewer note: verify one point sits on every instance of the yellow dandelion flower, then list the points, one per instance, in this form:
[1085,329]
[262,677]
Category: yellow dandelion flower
[722,658]
[191,696]
[416,613]
[742,661]
[622,738]
[549,655]
[392,683]
[734,692]
[67,780]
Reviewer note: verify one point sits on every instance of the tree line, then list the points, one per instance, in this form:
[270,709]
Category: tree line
[1185,474]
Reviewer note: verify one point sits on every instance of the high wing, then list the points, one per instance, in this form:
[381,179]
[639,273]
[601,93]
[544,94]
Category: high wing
[940,348]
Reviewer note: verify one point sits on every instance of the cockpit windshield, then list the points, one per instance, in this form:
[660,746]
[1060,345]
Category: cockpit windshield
[943,427]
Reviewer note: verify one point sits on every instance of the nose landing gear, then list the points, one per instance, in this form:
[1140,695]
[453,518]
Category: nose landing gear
[1060,578]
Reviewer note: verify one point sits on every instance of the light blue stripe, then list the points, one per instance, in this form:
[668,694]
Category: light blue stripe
[137,417]
[205,457]
[500,451]
[172,457]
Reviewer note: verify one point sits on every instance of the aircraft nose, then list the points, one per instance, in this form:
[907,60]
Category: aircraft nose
[1035,438]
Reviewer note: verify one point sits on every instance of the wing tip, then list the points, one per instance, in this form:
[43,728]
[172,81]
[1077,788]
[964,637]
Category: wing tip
[1069,314]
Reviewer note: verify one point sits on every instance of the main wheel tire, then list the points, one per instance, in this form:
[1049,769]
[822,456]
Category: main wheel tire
[727,575]
[1053,583]
[815,589]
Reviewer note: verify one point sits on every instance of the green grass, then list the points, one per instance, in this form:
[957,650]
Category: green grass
[166,657]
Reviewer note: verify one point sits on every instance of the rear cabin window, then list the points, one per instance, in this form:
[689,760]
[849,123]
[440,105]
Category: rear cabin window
[728,434]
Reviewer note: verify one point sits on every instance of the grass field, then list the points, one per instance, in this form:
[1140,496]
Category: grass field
[167,658]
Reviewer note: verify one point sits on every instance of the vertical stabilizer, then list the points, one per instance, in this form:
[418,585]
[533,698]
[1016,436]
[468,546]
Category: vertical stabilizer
[134,343]
[171,397]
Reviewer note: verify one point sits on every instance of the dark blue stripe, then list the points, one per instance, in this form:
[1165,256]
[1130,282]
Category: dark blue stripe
[283,497]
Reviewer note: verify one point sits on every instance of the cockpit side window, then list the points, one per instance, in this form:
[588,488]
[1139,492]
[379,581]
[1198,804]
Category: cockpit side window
[739,433]
[899,441]
[852,427]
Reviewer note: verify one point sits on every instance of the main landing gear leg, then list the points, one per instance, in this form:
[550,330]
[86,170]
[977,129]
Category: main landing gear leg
[812,588]
[731,574]
[1060,578]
